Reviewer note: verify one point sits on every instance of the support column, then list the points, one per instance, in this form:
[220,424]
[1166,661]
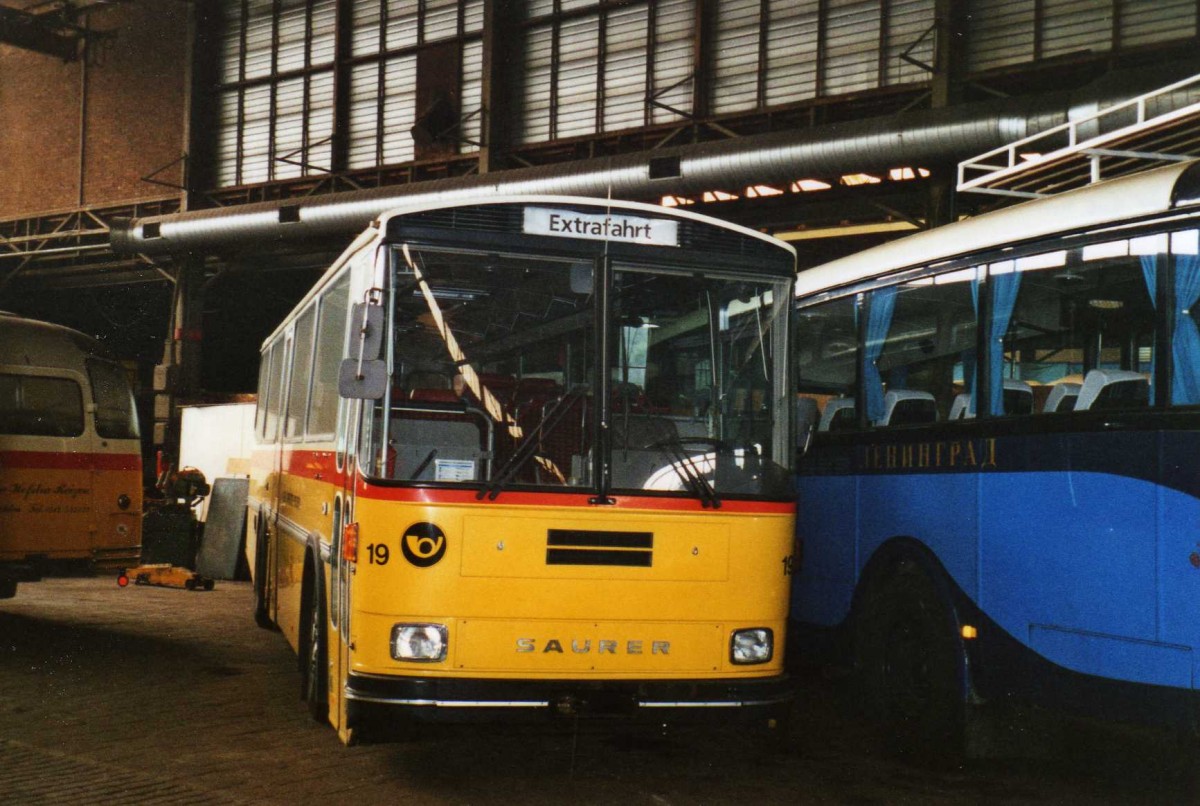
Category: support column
[178,376]
[503,48]
[949,61]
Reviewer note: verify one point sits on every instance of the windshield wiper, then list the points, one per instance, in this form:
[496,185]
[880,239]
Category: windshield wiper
[682,464]
[528,446]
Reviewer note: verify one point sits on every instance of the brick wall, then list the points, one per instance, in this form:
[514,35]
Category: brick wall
[132,107]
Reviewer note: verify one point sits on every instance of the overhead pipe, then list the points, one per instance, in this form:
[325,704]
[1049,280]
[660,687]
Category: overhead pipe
[913,138]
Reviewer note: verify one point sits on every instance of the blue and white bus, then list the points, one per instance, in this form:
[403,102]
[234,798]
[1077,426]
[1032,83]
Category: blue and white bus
[1000,501]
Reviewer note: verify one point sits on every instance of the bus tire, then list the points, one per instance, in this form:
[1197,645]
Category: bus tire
[907,662]
[8,588]
[315,669]
[262,614]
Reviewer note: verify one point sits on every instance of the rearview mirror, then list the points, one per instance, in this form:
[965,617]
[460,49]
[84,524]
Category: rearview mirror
[366,380]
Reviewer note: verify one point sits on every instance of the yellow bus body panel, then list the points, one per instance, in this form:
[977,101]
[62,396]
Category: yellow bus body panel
[509,614]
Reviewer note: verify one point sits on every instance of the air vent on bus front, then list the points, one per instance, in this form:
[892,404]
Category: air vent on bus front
[582,547]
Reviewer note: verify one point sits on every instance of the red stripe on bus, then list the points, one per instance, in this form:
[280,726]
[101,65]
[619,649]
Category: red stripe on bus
[48,460]
[440,495]
[321,466]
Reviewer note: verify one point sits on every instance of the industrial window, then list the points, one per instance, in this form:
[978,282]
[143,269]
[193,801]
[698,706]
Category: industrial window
[276,92]
[596,67]
[331,336]
[415,80]
[1006,33]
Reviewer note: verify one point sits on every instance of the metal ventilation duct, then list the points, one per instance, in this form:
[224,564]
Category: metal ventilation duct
[924,137]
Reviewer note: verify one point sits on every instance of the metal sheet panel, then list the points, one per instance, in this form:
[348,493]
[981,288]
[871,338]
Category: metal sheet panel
[402,24]
[292,33]
[734,83]
[227,140]
[471,98]
[399,108]
[909,24]
[535,107]
[673,59]
[324,32]
[441,20]
[364,36]
[472,16]
[289,128]
[364,116]
[792,52]
[1146,22]
[999,33]
[320,122]
[231,44]
[1075,26]
[851,48]
[259,30]
[579,49]
[625,69]
[256,135]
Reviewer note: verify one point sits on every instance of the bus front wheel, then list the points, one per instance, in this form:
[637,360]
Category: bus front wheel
[907,661]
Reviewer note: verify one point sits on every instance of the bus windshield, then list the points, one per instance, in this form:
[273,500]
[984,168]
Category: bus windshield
[516,370]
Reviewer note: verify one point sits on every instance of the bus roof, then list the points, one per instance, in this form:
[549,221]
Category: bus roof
[379,226]
[618,204]
[1109,202]
[33,343]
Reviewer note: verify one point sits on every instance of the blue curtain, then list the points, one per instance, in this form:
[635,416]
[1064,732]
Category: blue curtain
[970,366]
[879,321]
[1150,273]
[1004,297]
[1185,384]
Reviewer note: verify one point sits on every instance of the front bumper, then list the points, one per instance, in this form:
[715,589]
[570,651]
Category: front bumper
[456,699]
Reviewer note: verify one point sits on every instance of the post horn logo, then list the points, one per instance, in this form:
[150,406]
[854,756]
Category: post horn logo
[423,544]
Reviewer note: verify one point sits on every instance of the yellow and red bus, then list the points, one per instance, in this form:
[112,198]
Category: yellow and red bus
[531,455]
[70,455]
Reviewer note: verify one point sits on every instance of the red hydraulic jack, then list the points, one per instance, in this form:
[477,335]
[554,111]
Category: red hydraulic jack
[165,576]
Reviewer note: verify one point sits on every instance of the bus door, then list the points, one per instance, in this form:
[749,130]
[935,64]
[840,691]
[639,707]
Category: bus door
[115,459]
[340,566]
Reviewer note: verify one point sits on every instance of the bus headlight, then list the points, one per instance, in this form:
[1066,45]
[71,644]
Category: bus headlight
[755,645]
[419,642]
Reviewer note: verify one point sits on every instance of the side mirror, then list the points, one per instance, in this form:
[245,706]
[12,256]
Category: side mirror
[363,376]
[366,380]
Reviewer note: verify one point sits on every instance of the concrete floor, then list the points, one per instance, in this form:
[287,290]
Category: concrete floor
[151,695]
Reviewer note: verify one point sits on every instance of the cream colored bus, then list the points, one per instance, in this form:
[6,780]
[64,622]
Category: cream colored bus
[70,456]
[556,480]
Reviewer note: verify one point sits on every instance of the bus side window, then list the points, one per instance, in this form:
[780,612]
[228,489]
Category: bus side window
[826,361]
[274,393]
[301,374]
[331,332]
[920,343]
[1078,317]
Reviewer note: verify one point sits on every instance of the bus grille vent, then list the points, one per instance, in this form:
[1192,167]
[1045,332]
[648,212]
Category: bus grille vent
[582,547]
